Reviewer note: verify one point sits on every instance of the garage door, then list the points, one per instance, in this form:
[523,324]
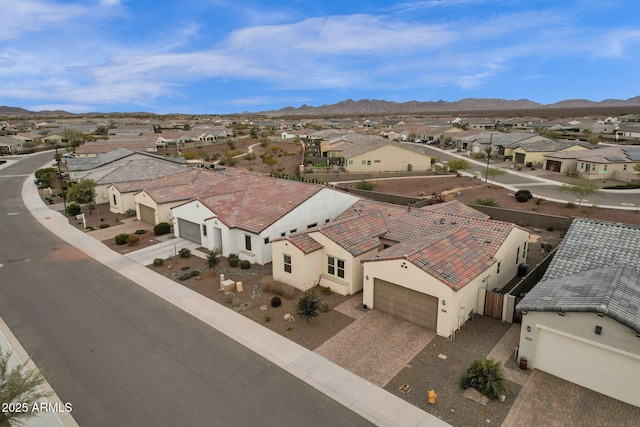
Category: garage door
[148,214]
[520,158]
[407,304]
[588,365]
[189,230]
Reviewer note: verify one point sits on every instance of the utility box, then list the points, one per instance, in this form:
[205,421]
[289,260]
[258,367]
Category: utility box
[523,269]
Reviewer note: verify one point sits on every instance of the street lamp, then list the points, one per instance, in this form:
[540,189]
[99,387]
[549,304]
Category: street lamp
[486,176]
[64,199]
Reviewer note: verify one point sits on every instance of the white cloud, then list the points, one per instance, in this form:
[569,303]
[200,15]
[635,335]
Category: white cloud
[35,15]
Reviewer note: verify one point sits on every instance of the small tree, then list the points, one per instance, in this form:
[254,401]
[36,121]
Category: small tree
[83,192]
[308,305]
[581,190]
[18,385]
[269,160]
[457,165]
[486,376]
[365,185]
[492,173]
[46,176]
[213,258]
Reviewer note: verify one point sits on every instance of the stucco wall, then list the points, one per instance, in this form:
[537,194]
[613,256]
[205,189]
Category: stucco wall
[305,269]
[388,158]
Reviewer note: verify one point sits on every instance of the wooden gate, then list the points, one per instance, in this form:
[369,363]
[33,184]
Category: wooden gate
[517,315]
[493,305]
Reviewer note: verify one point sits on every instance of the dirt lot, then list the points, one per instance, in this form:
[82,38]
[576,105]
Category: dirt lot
[468,190]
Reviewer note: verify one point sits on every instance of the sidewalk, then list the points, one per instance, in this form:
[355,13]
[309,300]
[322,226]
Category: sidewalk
[364,398]
[8,342]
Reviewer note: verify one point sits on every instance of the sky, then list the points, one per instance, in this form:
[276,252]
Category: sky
[225,57]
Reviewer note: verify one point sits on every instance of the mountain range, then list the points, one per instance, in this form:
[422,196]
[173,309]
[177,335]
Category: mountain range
[381,107]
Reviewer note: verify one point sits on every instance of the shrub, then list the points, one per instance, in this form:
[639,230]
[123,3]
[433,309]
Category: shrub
[188,274]
[487,201]
[140,231]
[522,223]
[486,376]
[158,262]
[276,302]
[525,192]
[308,306]
[133,240]
[184,253]
[549,228]
[130,212]
[278,288]
[233,262]
[529,164]
[228,298]
[74,209]
[162,228]
[522,198]
[103,226]
[570,205]
[245,265]
[537,201]
[324,307]
[213,258]
[365,185]
[267,318]
[121,239]
[326,290]
[233,256]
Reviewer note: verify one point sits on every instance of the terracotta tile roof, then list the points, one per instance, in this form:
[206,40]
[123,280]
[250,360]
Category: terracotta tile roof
[356,235]
[407,224]
[457,208]
[304,242]
[454,257]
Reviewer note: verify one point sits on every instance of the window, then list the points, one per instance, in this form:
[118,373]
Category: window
[498,268]
[284,233]
[368,162]
[204,229]
[315,224]
[266,240]
[624,168]
[293,231]
[247,242]
[335,267]
[518,255]
[364,162]
[524,251]
[115,203]
[350,162]
[376,161]
[287,263]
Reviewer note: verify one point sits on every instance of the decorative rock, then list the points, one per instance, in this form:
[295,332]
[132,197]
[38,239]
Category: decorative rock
[228,285]
[239,287]
[289,318]
[503,398]
[476,396]
[263,307]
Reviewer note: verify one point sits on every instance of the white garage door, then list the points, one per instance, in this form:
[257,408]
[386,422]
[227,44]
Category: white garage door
[407,304]
[599,369]
[189,230]
[148,214]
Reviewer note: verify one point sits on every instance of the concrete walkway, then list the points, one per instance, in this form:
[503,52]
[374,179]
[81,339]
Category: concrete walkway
[364,398]
[8,342]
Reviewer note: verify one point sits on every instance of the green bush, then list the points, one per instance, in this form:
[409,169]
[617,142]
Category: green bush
[486,201]
[245,265]
[103,226]
[486,376]
[529,164]
[133,240]
[188,274]
[158,262]
[267,318]
[162,228]
[365,185]
[522,198]
[130,212]
[141,231]
[74,209]
[276,302]
[213,258]
[308,306]
[324,307]
[184,253]
[233,262]
[526,193]
[326,290]
[121,239]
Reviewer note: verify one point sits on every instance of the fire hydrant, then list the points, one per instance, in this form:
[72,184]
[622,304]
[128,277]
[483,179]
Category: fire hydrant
[432,396]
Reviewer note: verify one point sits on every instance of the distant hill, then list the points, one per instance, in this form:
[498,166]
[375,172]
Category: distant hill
[379,107]
[376,107]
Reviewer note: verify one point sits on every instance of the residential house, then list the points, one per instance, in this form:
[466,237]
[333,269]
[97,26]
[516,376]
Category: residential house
[10,145]
[76,165]
[581,322]
[612,162]
[386,157]
[244,212]
[130,169]
[334,147]
[424,265]
[145,142]
[533,150]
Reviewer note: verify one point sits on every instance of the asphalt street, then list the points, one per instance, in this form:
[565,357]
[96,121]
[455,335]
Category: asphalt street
[121,355]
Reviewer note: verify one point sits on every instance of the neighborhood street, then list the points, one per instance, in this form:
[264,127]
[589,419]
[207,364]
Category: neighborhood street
[121,355]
